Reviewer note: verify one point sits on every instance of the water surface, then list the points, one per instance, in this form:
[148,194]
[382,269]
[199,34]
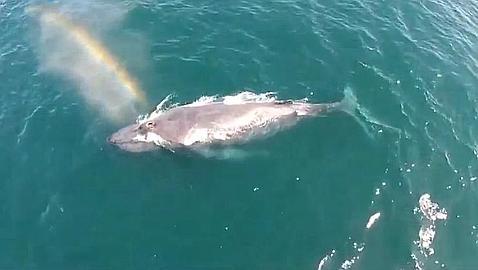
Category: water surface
[70,201]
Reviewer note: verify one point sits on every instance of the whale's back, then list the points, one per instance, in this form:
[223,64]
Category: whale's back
[223,123]
[226,120]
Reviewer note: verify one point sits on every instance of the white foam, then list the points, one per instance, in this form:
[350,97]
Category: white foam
[239,98]
[326,259]
[372,220]
[348,263]
[431,212]
[427,234]
[163,106]
[204,100]
[247,97]
[358,249]
[418,263]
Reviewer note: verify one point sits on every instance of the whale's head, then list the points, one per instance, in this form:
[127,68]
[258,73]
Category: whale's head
[134,138]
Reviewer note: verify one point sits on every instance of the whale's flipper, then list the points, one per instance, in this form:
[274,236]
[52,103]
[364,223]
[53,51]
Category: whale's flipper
[227,153]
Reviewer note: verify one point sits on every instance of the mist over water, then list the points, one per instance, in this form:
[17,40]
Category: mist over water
[66,48]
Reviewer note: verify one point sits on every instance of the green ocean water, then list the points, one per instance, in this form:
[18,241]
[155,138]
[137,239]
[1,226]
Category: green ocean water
[298,200]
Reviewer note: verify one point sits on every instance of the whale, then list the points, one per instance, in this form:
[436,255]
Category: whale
[228,120]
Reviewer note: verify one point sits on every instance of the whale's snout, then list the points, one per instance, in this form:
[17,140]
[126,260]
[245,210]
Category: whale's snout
[126,139]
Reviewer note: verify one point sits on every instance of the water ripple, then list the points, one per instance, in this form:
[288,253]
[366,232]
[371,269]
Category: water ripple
[25,124]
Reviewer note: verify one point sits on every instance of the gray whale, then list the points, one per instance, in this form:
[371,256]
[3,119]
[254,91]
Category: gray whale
[219,121]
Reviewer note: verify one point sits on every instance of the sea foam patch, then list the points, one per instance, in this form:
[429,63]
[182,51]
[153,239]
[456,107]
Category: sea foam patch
[431,212]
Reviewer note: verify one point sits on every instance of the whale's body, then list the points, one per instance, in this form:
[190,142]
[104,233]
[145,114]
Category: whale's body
[215,122]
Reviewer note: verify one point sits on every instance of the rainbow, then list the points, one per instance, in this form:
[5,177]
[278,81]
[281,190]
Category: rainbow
[91,46]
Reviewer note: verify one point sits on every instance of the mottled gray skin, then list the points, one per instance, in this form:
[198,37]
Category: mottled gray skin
[176,124]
